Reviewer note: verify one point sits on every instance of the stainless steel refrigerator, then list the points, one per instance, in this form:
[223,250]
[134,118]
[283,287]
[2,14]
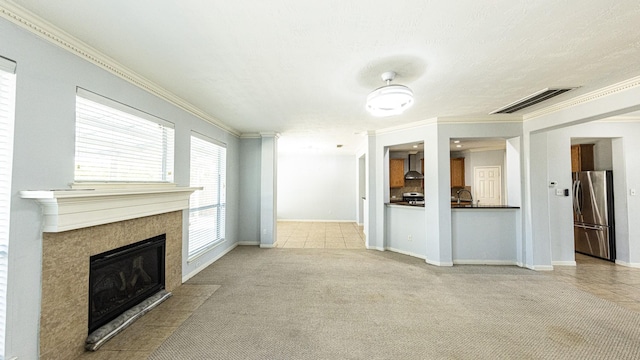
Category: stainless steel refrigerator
[593,214]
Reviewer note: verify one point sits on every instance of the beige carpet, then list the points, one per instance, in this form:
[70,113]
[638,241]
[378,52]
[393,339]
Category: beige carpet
[359,304]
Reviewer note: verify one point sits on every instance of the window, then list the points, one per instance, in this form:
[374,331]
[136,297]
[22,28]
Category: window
[115,142]
[207,207]
[7,116]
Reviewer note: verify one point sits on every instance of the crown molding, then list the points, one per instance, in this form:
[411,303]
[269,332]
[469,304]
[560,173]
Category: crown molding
[250,136]
[40,27]
[594,95]
[481,119]
[622,118]
[268,134]
[403,127]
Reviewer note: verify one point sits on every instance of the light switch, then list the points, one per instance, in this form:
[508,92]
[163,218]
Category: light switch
[632,192]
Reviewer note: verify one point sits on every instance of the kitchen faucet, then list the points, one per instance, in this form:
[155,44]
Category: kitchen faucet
[470,195]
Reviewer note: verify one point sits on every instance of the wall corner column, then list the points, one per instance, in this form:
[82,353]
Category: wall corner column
[268,189]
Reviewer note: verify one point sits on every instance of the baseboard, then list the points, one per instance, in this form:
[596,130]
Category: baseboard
[563,263]
[624,263]
[438,263]
[373,247]
[486,262]
[209,262]
[248,243]
[267,246]
[542,267]
[408,253]
[316,220]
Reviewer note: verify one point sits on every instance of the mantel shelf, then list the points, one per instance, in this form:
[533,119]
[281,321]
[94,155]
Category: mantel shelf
[72,209]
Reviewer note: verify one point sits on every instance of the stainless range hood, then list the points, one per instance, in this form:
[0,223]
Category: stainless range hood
[413,174]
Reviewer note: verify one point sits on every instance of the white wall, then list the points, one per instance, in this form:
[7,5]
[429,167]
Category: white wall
[378,189]
[437,211]
[317,187]
[362,187]
[546,159]
[485,236]
[476,130]
[249,218]
[47,77]
[406,230]
[627,135]
[513,172]
[603,159]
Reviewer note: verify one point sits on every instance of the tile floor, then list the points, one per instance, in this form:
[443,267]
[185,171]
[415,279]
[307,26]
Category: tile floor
[601,278]
[604,279]
[319,235]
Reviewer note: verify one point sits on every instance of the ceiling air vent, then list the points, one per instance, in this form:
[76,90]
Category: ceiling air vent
[531,100]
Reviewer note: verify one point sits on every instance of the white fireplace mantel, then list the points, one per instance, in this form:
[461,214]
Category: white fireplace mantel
[71,209]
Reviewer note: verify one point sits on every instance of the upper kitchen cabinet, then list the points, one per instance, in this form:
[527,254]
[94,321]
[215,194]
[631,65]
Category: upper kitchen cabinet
[396,173]
[582,157]
[457,172]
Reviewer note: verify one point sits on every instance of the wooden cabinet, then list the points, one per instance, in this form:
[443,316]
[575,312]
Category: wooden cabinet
[396,173]
[582,157]
[457,172]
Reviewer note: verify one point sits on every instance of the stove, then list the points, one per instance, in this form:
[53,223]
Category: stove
[413,198]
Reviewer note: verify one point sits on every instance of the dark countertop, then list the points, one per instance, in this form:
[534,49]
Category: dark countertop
[461,206]
[469,206]
[404,203]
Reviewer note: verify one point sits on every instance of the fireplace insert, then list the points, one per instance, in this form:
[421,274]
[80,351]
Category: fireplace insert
[122,278]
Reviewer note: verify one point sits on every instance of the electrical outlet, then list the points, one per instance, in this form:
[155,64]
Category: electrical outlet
[559,192]
[632,192]
[410,237]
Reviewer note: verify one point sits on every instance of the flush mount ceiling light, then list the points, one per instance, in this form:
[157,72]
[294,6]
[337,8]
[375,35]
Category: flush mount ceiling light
[389,99]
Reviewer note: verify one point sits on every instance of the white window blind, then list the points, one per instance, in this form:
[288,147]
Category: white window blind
[115,142]
[7,116]
[207,207]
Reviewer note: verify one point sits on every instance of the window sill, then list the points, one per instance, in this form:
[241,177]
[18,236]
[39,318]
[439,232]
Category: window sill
[205,250]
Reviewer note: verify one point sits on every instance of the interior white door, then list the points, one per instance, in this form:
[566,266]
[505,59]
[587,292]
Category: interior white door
[487,181]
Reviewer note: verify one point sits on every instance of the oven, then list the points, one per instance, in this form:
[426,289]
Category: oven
[413,198]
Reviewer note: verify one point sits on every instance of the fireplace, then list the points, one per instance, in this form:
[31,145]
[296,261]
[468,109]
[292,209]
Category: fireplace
[122,278]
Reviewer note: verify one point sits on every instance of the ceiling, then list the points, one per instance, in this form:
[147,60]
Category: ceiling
[304,69]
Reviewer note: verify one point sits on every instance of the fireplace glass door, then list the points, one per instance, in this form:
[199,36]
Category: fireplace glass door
[122,278]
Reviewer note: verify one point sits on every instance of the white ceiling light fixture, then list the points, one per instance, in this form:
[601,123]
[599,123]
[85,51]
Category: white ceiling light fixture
[390,99]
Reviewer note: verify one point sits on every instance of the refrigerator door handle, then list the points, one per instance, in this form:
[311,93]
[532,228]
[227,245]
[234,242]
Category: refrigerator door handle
[580,197]
[590,227]
[577,197]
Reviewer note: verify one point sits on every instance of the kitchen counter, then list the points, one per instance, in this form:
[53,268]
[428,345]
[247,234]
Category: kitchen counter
[475,206]
[403,204]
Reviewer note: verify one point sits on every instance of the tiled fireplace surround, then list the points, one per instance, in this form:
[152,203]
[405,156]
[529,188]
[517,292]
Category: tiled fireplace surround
[65,275]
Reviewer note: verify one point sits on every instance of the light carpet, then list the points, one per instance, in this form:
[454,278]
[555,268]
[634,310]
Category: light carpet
[359,304]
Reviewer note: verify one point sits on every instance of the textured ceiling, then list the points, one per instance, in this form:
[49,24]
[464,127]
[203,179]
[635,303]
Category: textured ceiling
[304,68]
